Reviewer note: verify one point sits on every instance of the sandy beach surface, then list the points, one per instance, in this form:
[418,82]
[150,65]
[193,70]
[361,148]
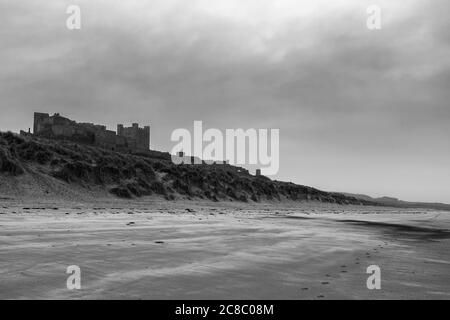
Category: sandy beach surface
[201,250]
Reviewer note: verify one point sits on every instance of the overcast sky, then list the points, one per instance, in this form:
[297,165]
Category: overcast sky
[358,110]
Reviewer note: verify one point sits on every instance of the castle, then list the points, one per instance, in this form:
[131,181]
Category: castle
[126,139]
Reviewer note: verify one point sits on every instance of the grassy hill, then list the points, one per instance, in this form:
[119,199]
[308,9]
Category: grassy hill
[36,166]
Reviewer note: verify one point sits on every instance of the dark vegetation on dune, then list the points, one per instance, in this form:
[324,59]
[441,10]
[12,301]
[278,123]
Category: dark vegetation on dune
[129,175]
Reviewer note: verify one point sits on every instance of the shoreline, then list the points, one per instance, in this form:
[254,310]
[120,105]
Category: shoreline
[167,250]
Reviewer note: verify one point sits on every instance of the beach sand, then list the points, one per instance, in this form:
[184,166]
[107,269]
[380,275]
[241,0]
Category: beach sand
[201,250]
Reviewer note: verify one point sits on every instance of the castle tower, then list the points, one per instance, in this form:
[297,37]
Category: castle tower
[147,136]
[120,129]
[39,118]
[137,138]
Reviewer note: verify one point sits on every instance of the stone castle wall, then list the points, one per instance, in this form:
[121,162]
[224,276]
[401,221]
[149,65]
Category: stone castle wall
[56,126]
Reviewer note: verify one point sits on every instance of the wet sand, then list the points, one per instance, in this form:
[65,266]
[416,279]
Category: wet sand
[193,250]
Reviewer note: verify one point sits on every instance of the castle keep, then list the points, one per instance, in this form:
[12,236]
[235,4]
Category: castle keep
[56,126]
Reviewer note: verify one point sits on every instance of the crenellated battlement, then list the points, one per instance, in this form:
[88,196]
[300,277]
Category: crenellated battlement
[57,126]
